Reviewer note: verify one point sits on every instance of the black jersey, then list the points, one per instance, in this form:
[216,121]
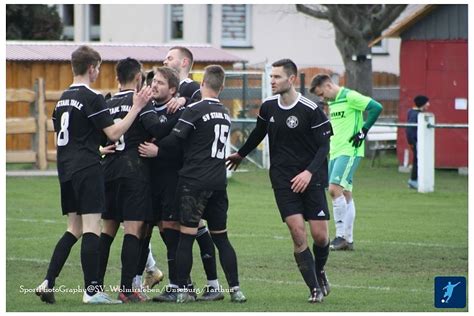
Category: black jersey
[168,158]
[126,161]
[295,133]
[204,126]
[190,90]
[79,117]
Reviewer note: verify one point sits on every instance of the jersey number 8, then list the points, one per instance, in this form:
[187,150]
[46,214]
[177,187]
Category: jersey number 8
[63,135]
[120,144]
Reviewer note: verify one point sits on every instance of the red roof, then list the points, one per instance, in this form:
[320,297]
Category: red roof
[59,51]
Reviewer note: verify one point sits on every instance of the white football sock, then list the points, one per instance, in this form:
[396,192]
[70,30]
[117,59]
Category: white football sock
[349,221]
[213,283]
[339,206]
[137,282]
[150,261]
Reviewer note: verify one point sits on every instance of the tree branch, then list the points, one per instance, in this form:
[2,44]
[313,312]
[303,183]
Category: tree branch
[385,17]
[318,14]
[336,16]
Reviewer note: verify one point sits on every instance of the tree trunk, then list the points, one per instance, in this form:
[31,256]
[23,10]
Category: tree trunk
[359,72]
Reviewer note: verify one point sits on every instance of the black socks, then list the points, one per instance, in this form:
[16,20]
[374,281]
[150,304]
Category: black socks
[208,252]
[105,242]
[320,256]
[184,259]
[142,256]
[172,239]
[306,266]
[130,252]
[90,262]
[227,257]
[59,257]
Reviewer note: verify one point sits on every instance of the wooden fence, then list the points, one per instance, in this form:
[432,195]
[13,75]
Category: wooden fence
[37,125]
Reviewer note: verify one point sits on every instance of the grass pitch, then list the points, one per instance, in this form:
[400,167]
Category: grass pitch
[403,240]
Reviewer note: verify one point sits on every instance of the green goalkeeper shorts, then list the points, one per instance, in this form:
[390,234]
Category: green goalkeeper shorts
[342,169]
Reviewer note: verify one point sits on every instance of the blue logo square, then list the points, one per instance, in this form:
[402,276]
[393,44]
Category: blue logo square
[450,292]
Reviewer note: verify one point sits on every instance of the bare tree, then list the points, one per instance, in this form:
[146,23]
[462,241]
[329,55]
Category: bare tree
[356,26]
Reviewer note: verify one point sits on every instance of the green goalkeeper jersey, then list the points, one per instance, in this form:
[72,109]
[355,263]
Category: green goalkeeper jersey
[346,120]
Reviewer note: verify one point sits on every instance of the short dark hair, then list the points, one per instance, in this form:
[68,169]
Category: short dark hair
[171,76]
[420,100]
[126,69]
[83,57]
[288,65]
[187,53]
[214,77]
[318,81]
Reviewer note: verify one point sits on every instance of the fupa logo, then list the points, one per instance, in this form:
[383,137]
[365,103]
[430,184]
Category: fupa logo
[450,292]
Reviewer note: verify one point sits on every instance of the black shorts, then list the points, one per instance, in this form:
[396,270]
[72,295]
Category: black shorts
[128,200]
[164,196]
[194,204]
[84,193]
[312,203]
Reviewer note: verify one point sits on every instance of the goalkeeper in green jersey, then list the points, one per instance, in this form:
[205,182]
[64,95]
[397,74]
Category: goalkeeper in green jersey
[346,109]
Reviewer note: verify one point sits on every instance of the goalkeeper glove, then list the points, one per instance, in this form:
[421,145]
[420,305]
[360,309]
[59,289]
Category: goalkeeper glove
[359,137]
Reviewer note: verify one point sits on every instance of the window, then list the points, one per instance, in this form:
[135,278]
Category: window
[94,22]
[89,22]
[66,12]
[176,22]
[381,48]
[236,25]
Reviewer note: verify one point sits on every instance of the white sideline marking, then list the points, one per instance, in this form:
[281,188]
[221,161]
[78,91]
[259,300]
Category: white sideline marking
[351,287]
[279,282]
[31,220]
[45,261]
[277,237]
[29,238]
[401,243]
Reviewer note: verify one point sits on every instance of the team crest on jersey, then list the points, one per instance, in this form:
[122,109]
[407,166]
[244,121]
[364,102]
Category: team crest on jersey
[163,119]
[292,121]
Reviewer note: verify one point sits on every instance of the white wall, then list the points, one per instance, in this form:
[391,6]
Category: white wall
[391,62]
[132,23]
[277,31]
[195,25]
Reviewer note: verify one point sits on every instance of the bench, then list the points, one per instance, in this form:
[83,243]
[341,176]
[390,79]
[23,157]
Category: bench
[381,138]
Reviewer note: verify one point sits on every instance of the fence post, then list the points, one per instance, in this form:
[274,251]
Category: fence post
[266,85]
[426,153]
[41,154]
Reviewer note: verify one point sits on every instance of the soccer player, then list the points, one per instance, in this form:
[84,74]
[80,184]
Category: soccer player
[80,119]
[202,132]
[164,170]
[181,59]
[346,109]
[127,180]
[299,134]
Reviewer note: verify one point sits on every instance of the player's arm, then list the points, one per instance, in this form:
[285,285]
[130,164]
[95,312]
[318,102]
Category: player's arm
[373,110]
[158,129]
[174,104]
[321,133]
[140,99]
[167,148]
[255,137]
[192,89]
[181,131]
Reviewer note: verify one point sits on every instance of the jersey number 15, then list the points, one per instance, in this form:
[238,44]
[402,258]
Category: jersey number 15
[221,132]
